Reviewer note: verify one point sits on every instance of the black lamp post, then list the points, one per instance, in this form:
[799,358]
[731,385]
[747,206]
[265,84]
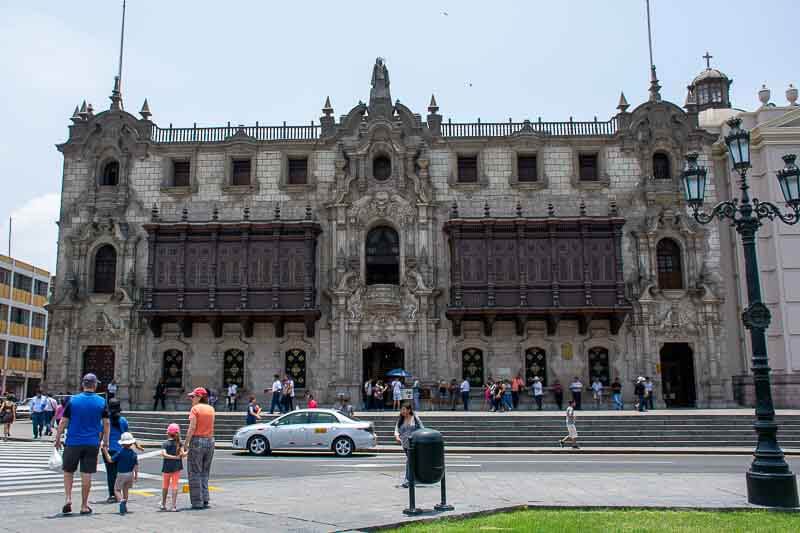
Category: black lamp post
[769,480]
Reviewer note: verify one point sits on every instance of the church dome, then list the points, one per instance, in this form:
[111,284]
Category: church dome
[710,89]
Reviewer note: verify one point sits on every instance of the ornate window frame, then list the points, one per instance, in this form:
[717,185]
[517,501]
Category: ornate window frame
[603,180]
[467,151]
[168,172]
[92,264]
[542,181]
[240,153]
[311,171]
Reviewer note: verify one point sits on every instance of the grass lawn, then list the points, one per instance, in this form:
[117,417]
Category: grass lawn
[617,520]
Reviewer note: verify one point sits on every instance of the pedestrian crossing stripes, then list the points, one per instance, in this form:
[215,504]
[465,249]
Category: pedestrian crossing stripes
[24,470]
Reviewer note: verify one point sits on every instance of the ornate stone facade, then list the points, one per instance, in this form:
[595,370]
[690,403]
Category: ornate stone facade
[367,200]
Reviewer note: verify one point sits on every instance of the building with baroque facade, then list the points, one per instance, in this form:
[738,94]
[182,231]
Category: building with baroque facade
[337,251]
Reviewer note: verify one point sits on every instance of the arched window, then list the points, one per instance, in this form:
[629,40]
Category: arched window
[296,367]
[381,168]
[105,269]
[536,365]
[598,365]
[472,366]
[233,368]
[383,256]
[172,368]
[110,175]
[668,258]
[661,170]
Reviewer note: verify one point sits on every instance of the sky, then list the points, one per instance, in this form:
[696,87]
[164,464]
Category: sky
[244,61]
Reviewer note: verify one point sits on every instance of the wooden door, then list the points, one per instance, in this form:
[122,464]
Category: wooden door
[99,360]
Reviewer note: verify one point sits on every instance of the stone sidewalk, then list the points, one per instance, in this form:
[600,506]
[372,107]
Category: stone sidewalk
[342,501]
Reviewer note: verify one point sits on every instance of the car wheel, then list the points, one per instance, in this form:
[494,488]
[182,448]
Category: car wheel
[343,447]
[258,445]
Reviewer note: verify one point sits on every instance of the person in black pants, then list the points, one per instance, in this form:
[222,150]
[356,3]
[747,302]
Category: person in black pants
[161,394]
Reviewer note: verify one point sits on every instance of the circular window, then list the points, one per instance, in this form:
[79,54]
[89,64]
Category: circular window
[381,168]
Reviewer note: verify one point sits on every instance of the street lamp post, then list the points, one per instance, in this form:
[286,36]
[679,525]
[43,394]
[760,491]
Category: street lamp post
[769,480]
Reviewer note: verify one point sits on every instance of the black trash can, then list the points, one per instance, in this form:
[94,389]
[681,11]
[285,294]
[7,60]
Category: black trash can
[427,446]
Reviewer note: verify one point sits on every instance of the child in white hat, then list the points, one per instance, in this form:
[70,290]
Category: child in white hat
[127,469]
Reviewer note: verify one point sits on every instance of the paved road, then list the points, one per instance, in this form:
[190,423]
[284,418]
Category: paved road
[236,465]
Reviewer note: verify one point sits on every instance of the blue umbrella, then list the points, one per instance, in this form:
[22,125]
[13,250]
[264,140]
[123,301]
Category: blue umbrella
[398,372]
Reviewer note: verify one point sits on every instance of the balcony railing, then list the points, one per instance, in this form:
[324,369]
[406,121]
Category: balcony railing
[554,129]
[222,133]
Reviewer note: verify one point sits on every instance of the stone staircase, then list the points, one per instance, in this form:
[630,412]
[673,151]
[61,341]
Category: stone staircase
[510,430]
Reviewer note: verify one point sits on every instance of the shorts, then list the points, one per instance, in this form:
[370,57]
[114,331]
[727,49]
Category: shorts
[124,481]
[572,431]
[85,455]
[442,394]
[170,479]
[396,396]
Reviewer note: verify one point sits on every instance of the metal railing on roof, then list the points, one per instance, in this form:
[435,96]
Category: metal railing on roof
[223,133]
[504,129]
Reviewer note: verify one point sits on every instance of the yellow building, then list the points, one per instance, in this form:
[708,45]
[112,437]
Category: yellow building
[24,290]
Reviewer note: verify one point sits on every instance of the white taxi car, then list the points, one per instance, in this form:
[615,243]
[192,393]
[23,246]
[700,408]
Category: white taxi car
[307,429]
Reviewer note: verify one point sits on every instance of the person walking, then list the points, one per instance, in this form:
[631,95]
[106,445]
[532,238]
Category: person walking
[616,394]
[442,394]
[172,456]
[377,395]
[507,395]
[38,403]
[639,391]
[253,411]
[275,403]
[597,392]
[367,392]
[648,392]
[406,425]
[517,386]
[233,396]
[453,390]
[199,447]
[576,388]
[127,466]
[111,389]
[397,394]
[558,394]
[160,395]
[118,426]
[465,393]
[8,414]
[572,431]
[487,395]
[538,392]
[49,414]
[85,419]
[416,390]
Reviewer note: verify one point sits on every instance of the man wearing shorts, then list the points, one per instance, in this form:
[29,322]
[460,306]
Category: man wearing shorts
[572,431]
[86,419]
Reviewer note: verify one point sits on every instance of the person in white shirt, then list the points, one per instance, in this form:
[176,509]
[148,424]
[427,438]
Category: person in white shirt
[465,394]
[572,431]
[368,395]
[277,386]
[538,392]
[597,392]
[648,393]
[49,414]
[233,391]
[397,394]
[576,388]
[112,389]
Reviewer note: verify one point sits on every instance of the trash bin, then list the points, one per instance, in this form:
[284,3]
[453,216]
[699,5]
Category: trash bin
[427,445]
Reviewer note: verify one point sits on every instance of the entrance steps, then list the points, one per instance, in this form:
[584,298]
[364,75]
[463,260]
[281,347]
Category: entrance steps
[675,429]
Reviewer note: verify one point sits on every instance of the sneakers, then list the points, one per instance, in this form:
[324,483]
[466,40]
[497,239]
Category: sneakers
[561,443]
[123,507]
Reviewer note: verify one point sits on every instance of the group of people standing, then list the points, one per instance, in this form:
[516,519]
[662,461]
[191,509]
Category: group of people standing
[283,394]
[95,426]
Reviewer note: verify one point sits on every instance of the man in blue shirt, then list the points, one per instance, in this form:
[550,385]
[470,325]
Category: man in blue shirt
[86,417]
[38,405]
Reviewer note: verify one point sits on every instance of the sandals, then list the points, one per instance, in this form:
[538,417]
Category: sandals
[67,509]
[88,511]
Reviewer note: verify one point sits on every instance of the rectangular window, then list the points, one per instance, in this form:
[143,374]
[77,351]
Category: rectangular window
[3,312]
[468,169]
[23,282]
[17,349]
[39,320]
[40,288]
[2,348]
[526,168]
[19,316]
[37,352]
[298,171]
[5,276]
[241,172]
[181,173]
[588,167]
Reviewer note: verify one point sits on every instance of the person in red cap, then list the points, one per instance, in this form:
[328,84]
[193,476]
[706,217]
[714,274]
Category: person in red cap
[172,464]
[199,446]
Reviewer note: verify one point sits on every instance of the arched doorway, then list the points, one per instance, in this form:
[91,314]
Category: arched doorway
[677,375]
[383,256]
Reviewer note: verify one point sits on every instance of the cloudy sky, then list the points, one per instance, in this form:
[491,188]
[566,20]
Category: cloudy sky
[211,62]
